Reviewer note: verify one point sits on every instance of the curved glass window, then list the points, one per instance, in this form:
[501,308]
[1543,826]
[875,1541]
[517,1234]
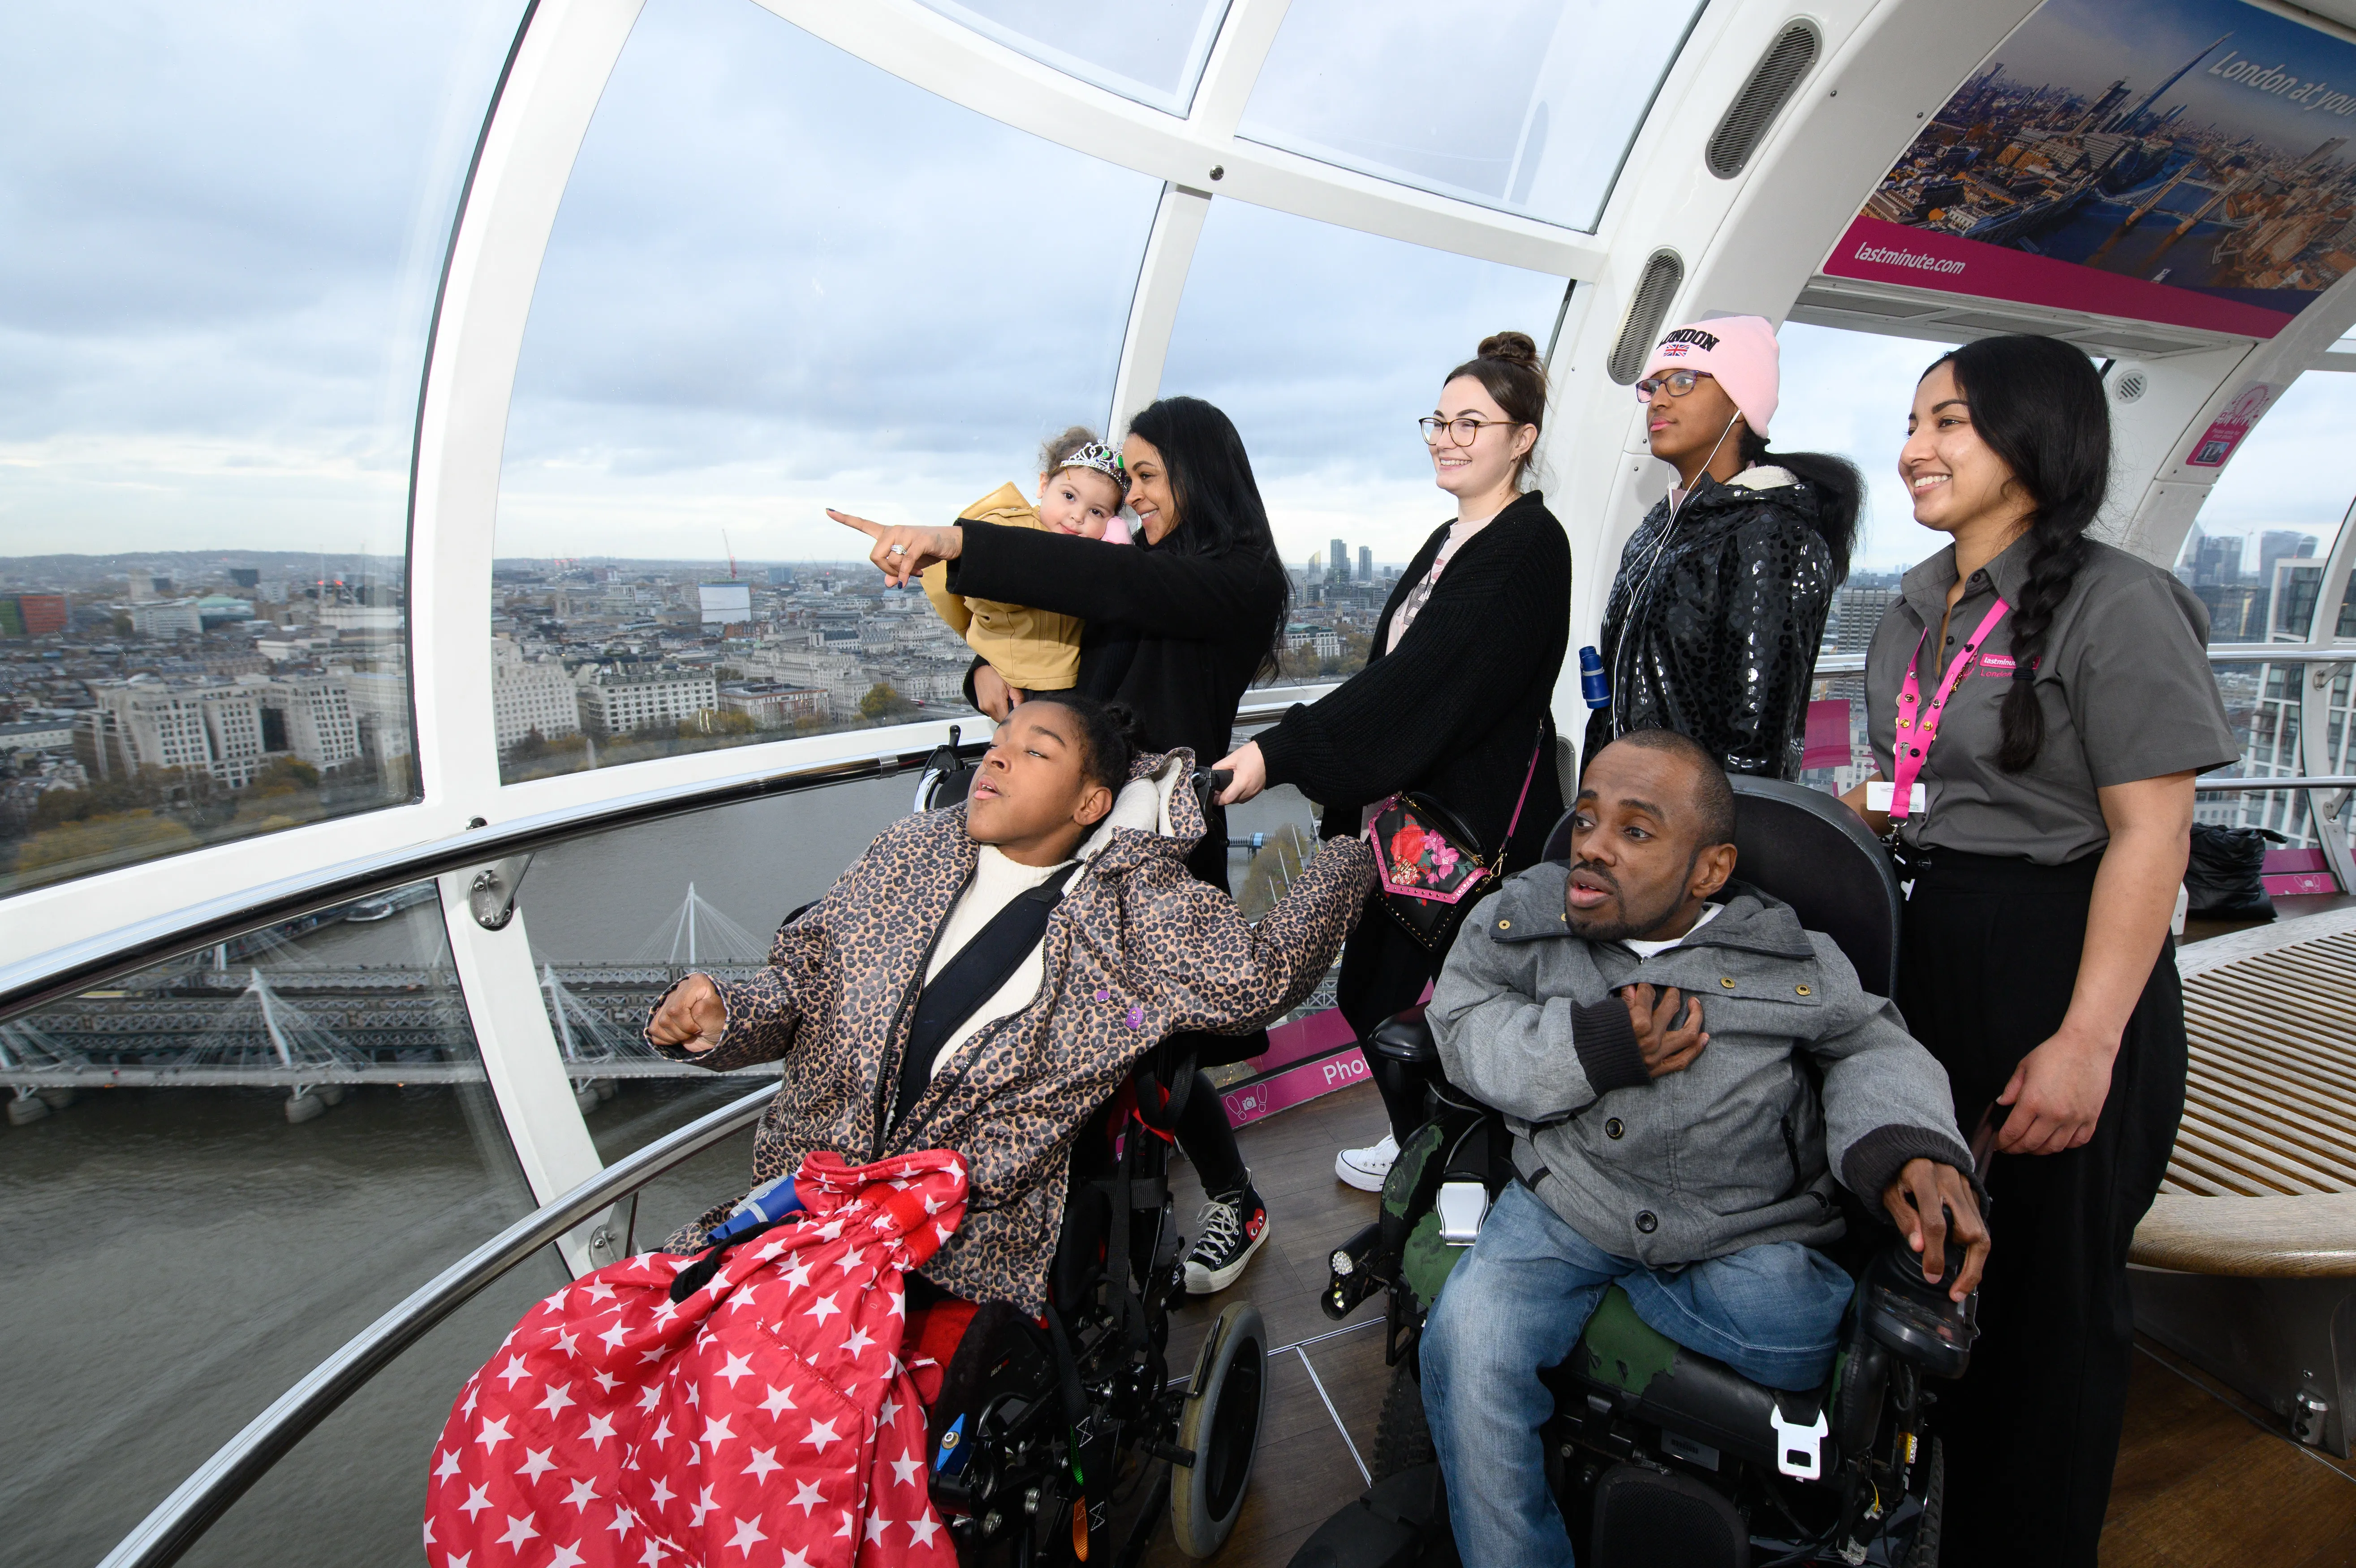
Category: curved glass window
[616,919]
[224,232]
[213,1173]
[2256,559]
[782,281]
[1325,346]
[1528,106]
[1151,51]
[2256,555]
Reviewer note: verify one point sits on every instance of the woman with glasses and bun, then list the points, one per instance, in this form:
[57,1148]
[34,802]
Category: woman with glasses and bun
[2038,705]
[1455,698]
[1713,621]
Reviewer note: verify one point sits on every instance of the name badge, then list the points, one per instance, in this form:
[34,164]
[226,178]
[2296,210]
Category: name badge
[1880,797]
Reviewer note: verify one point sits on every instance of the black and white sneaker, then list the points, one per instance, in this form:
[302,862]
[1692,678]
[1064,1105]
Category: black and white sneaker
[1233,1226]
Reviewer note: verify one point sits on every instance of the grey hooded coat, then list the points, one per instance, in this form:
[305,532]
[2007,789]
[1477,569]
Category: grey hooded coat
[1738,1149]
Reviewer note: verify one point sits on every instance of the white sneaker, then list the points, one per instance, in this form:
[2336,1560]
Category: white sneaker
[1365,1168]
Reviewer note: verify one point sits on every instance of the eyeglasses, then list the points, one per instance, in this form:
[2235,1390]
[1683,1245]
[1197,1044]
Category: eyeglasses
[1463,431]
[1678,382]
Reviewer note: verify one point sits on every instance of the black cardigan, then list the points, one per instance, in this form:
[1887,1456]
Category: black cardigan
[1176,637]
[1456,709]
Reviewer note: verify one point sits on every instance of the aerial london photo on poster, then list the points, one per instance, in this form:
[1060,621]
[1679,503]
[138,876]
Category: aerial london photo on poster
[2180,161]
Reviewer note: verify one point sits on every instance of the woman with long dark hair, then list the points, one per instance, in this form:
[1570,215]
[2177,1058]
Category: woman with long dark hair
[1177,627]
[1455,700]
[2040,704]
[1713,621]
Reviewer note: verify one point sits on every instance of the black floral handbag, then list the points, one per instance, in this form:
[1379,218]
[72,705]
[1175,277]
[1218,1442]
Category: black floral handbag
[1433,868]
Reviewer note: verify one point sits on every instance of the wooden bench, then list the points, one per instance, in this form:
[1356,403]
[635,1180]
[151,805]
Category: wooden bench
[2263,1183]
[2246,1264]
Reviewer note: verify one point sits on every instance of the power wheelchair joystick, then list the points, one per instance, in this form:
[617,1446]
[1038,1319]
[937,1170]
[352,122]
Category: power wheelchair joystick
[1915,1317]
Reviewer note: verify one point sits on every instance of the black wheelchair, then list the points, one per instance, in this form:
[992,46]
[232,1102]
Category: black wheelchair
[1069,1441]
[1657,1454]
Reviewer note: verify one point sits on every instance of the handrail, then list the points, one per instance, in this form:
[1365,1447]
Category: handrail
[2249,785]
[177,1523]
[2217,653]
[45,977]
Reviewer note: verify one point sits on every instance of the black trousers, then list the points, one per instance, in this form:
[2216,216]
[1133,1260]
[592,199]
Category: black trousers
[1988,960]
[1384,970]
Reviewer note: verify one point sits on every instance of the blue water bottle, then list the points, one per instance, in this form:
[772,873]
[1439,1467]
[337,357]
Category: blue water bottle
[1593,684]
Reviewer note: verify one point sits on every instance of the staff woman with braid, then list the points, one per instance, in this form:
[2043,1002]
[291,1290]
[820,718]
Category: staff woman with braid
[2039,705]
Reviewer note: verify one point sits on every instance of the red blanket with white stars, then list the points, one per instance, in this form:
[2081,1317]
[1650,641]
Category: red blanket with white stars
[766,1421]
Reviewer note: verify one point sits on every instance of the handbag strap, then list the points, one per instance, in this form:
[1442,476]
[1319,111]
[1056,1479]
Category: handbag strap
[1538,748]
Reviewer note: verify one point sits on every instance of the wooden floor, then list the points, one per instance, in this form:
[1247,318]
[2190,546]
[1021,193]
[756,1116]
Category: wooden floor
[2203,1480]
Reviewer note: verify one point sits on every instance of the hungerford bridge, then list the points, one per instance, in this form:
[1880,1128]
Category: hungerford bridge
[272,1010]
[206,1021]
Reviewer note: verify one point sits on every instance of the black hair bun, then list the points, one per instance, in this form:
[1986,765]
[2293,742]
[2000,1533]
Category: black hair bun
[1124,719]
[1513,348]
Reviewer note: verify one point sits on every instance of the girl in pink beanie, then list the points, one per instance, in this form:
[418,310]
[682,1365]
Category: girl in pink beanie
[1713,622]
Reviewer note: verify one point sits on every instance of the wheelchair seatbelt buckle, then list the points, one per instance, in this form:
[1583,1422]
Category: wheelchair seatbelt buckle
[1799,1450]
[1463,1206]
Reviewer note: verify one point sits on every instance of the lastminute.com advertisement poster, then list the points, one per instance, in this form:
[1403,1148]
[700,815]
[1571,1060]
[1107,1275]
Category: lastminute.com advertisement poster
[2183,161]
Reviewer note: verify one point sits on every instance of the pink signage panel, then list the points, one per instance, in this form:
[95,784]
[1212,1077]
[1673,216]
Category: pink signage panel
[1882,252]
[1294,1086]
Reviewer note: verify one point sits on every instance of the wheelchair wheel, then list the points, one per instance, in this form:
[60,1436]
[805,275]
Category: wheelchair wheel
[1220,1422]
[1402,1438]
[1924,1553]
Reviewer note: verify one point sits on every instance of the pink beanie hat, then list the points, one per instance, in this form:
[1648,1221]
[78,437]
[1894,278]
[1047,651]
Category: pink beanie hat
[1740,351]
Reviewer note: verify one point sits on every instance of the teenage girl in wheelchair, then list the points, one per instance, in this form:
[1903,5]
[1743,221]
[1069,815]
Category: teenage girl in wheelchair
[1698,1180]
[993,977]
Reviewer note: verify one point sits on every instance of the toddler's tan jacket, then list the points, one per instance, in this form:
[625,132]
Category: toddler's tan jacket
[1036,650]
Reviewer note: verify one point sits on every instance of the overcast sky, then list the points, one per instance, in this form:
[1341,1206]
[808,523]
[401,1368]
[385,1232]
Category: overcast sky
[224,221]
[1849,392]
[781,280]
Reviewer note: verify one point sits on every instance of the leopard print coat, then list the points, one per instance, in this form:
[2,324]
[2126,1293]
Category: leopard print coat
[1137,950]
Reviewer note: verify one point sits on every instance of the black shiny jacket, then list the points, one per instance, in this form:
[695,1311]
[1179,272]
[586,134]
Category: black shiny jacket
[1714,633]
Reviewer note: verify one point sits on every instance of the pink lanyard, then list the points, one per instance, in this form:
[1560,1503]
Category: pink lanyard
[1909,750]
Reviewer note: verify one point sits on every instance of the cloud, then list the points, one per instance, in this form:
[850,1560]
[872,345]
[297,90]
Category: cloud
[1849,393]
[225,224]
[784,280]
[781,279]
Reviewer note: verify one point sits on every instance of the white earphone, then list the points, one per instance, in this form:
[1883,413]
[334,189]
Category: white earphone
[1635,594]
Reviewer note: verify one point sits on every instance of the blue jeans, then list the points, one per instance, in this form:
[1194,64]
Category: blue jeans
[1518,1303]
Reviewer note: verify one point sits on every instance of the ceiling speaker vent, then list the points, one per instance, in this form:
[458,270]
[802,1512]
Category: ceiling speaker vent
[1773,81]
[2129,387]
[1664,271]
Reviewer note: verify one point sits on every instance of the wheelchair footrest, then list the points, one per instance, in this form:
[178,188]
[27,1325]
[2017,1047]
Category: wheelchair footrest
[1391,1526]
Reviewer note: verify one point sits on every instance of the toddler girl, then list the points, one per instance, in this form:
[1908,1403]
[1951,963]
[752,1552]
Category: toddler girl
[1081,485]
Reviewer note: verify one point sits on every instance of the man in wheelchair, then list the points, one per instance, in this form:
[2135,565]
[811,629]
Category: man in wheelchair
[1652,1033]
[984,979]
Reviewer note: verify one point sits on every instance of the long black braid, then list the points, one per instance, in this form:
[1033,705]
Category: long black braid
[2038,404]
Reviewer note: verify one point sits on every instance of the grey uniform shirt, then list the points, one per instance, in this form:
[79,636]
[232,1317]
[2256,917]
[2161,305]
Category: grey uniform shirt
[2125,684]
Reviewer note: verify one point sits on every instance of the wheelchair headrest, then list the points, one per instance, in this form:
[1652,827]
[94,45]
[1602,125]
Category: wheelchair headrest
[1806,847]
[946,780]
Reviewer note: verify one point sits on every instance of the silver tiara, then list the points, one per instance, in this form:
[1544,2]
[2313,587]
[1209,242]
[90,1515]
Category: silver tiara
[1095,454]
